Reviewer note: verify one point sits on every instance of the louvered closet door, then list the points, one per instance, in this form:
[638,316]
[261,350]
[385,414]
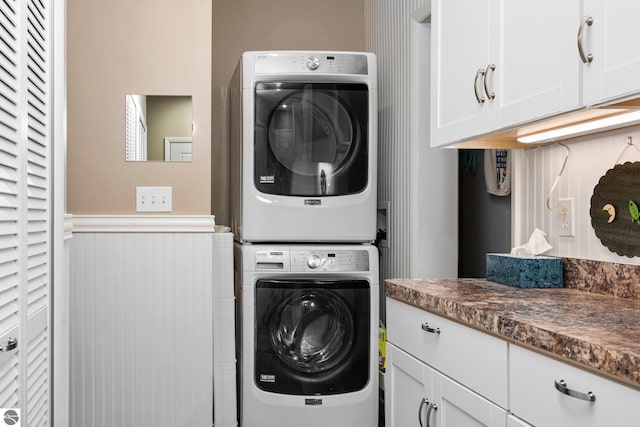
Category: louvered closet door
[11,223]
[24,207]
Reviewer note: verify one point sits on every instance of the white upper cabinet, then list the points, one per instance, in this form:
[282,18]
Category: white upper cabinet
[537,67]
[500,63]
[460,55]
[613,42]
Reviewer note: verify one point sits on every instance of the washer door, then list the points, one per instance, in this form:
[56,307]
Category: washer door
[312,331]
[312,337]
[311,139]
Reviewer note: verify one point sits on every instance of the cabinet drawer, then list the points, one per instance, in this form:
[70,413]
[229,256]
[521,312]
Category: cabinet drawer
[471,357]
[534,397]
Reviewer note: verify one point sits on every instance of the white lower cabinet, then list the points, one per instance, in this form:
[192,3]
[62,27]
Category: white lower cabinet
[441,373]
[407,384]
[547,392]
[416,395]
[470,357]
[444,374]
[459,406]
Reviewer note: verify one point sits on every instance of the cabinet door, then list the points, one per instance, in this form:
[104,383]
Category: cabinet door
[459,48]
[537,67]
[407,382]
[613,41]
[459,406]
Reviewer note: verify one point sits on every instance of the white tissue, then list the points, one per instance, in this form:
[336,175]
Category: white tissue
[536,245]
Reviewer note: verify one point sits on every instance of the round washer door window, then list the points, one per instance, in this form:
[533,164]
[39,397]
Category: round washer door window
[312,332]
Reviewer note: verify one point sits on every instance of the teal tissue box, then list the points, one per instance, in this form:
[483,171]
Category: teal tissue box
[536,272]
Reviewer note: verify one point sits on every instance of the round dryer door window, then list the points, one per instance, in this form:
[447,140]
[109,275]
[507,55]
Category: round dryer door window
[307,133]
[312,332]
[311,139]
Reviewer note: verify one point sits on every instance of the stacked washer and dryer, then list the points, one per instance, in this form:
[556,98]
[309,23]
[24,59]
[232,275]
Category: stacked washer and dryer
[303,213]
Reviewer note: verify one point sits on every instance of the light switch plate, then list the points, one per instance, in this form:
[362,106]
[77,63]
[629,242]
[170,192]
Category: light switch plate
[153,199]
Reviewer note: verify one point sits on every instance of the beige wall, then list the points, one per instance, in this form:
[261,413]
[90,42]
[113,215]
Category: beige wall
[167,47]
[149,47]
[242,25]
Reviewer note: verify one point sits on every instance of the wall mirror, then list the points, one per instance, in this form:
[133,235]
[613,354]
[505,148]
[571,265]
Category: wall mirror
[158,127]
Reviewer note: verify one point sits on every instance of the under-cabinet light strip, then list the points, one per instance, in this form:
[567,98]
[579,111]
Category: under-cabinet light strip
[593,126]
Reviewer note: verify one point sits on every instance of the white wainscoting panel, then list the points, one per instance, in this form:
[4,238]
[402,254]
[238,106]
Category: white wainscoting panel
[142,328]
[535,171]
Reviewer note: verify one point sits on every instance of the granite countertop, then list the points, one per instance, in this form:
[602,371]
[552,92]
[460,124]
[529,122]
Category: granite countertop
[596,331]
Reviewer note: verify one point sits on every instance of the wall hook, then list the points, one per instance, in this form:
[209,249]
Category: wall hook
[629,144]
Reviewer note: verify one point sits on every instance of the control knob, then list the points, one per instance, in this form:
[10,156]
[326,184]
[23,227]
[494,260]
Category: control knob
[314,261]
[313,62]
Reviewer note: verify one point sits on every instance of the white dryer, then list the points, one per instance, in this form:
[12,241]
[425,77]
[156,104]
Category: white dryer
[307,323]
[303,147]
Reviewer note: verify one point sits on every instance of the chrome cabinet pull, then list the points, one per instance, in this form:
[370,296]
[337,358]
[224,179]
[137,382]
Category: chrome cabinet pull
[587,20]
[561,386]
[12,344]
[433,407]
[490,93]
[427,328]
[479,73]
[423,402]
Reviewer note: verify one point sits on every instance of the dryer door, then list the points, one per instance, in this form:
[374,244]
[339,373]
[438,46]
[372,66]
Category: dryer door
[310,139]
[312,337]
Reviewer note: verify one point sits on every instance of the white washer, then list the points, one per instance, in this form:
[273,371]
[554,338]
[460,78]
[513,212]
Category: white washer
[307,321]
[304,147]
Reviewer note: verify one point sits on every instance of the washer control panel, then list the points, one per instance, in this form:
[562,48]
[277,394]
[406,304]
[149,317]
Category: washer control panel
[312,260]
[345,260]
[338,63]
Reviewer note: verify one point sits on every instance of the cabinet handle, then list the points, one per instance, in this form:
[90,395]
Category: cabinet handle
[423,402]
[433,407]
[480,72]
[12,344]
[561,386]
[587,20]
[490,93]
[427,328]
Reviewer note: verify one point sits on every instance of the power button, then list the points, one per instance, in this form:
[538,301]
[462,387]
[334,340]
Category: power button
[313,62]
[314,261]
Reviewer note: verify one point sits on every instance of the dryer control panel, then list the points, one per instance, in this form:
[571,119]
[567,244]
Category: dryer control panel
[312,260]
[339,63]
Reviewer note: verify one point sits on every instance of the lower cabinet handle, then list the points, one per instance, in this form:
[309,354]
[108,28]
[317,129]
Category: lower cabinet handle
[427,328]
[423,402]
[432,407]
[561,386]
